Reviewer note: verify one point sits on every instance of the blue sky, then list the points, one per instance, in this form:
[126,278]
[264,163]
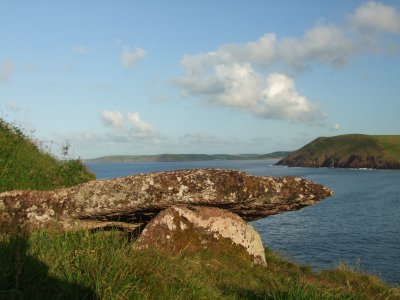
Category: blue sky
[149,77]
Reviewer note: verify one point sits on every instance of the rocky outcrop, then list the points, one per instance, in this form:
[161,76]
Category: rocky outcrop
[180,229]
[348,151]
[130,201]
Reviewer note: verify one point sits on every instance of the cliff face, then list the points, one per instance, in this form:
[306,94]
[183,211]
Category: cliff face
[350,161]
[348,151]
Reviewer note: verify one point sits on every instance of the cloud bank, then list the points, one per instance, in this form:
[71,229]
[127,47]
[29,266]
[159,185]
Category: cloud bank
[247,77]
[373,17]
[129,127]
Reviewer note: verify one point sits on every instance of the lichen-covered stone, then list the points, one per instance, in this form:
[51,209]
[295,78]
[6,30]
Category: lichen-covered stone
[189,229]
[134,200]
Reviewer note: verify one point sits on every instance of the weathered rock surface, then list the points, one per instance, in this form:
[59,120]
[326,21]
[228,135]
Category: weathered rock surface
[130,201]
[189,229]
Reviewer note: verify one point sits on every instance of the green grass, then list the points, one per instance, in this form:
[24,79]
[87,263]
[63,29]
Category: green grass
[104,265]
[24,166]
[391,143]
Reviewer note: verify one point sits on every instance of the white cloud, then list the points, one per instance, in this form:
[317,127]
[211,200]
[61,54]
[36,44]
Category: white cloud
[271,97]
[261,52]
[332,44]
[336,126]
[199,84]
[322,44]
[141,129]
[281,101]
[129,58]
[80,49]
[376,17]
[129,127]
[115,119]
[241,85]
[6,69]
[236,75]
[326,44]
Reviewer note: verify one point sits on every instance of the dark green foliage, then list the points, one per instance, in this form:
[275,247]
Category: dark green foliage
[24,166]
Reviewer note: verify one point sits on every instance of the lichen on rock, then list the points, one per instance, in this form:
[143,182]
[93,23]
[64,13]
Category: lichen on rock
[189,229]
[131,201]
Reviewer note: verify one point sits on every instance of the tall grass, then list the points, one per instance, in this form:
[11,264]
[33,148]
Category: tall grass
[24,166]
[104,265]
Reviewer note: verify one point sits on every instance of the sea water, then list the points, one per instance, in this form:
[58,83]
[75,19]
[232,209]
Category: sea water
[358,225]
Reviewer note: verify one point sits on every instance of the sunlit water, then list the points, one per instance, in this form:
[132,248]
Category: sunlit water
[359,224]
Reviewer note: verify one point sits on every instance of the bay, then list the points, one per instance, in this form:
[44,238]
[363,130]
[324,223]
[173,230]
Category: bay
[358,225]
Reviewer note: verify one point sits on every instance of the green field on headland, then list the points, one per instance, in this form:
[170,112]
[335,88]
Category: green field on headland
[348,151]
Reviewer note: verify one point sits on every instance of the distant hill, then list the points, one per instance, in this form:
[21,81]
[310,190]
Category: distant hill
[348,151]
[24,166]
[186,157]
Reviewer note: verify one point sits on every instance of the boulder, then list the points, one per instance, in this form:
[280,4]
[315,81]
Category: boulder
[180,229]
[131,201]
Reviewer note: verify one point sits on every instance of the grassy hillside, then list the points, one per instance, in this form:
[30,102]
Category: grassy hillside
[391,143]
[24,166]
[186,157]
[104,265]
[348,151]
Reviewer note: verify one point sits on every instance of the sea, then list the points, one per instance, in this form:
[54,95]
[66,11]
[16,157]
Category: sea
[359,225]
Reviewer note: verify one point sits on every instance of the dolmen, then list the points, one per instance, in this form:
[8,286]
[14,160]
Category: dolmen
[214,202]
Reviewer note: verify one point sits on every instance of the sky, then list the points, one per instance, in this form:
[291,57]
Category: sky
[152,77]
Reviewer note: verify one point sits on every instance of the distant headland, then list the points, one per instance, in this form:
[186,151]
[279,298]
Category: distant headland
[348,151]
[186,157]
